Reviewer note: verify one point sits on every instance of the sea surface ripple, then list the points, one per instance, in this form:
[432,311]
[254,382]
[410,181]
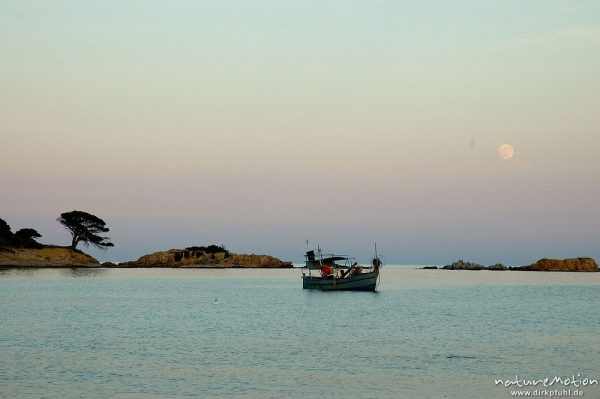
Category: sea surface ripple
[169,333]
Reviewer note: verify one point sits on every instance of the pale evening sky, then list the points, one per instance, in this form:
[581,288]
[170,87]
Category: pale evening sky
[259,124]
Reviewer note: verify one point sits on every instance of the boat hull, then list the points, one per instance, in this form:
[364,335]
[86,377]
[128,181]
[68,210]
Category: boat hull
[361,282]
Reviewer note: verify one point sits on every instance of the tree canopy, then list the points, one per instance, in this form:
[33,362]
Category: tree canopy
[26,238]
[86,228]
[28,233]
[5,233]
[23,238]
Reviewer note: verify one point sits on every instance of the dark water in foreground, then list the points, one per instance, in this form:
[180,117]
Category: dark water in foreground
[163,333]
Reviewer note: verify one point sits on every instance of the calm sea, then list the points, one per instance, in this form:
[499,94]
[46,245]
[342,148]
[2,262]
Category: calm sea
[167,333]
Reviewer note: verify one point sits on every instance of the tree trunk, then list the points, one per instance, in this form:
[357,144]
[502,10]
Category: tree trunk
[74,242]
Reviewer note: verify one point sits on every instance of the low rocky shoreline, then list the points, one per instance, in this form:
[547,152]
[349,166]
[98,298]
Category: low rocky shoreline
[214,257]
[46,257]
[196,257]
[550,265]
[192,257]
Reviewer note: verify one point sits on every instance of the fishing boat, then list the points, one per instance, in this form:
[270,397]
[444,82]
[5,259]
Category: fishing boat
[330,272]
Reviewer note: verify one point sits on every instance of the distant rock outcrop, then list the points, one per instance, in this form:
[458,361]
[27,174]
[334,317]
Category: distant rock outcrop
[551,265]
[109,264]
[199,257]
[48,256]
[563,265]
[497,266]
[462,265]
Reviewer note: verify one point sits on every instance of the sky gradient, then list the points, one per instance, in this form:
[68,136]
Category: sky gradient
[262,124]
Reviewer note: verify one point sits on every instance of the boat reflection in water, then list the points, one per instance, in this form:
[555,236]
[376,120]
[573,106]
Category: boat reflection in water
[329,272]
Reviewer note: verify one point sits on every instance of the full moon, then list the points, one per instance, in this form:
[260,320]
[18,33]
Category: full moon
[506,151]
